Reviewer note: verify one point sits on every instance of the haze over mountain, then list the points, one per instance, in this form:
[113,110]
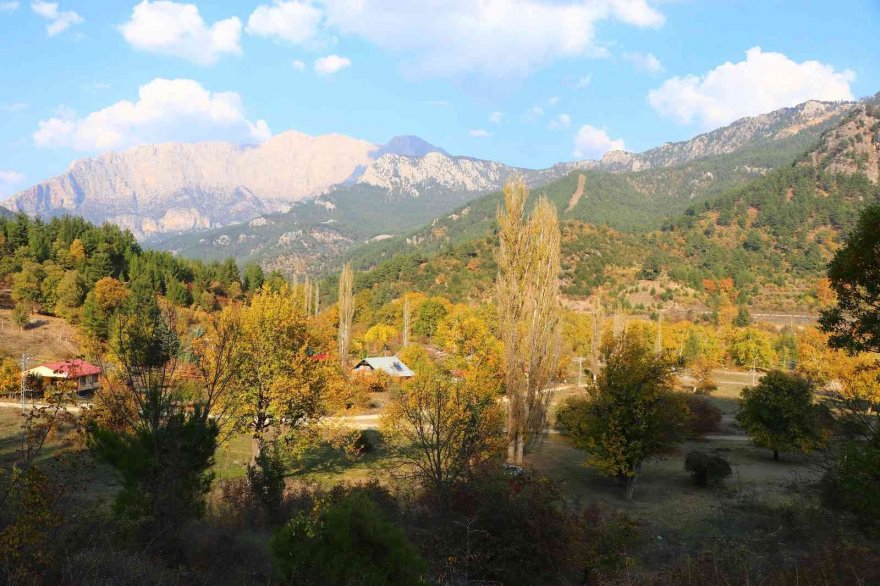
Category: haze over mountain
[172,188]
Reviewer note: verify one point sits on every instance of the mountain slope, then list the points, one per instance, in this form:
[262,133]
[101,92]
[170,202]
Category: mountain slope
[772,237]
[609,193]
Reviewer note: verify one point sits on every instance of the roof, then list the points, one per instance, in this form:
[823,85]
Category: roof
[388,364]
[67,369]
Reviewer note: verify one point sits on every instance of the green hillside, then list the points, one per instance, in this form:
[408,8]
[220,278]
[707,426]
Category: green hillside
[780,229]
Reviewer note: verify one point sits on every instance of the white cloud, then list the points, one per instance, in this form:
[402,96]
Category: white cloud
[496,117]
[298,65]
[497,38]
[553,101]
[583,82]
[478,133]
[172,28]
[560,121]
[292,22]
[59,21]
[591,143]
[177,110]
[765,81]
[646,62]
[533,113]
[9,6]
[14,107]
[9,181]
[331,64]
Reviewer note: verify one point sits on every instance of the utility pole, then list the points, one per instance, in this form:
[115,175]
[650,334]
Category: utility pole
[24,361]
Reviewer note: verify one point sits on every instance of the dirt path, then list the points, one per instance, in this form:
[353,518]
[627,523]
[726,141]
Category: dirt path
[579,192]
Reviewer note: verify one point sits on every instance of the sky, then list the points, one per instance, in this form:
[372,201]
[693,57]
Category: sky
[525,82]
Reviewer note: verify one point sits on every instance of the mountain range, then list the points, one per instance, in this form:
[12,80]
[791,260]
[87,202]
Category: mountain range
[299,203]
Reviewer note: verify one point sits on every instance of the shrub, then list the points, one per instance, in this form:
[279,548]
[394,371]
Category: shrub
[347,541]
[506,530]
[704,416]
[851,483]
[707,469]
[368,441]
[266,480]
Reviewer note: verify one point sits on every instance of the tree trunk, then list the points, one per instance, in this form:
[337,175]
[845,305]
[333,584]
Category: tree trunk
[520,448]
[776,455]
[630,484]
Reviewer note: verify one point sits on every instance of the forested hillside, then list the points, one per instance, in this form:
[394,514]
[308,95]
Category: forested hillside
[779,229]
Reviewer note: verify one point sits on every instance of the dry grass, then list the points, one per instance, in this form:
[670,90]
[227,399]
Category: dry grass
[47,338]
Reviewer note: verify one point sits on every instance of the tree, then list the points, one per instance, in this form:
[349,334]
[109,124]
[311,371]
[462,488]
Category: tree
[631,414]
[253,277]
[752,348]
[444,427]
[779,413]
[164,452]
[527,289]
[346,313]
[346,541]
[379,335]
[282,390]
[854,322]
[428,316]
[21,315]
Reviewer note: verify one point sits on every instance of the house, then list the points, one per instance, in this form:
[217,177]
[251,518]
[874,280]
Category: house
[390,365]
[83,373]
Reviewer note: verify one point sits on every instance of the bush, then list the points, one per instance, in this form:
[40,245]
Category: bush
[368,441]
[707,469]
[852,484]
[346,541]
[506,530]
[704,416]
[266,480]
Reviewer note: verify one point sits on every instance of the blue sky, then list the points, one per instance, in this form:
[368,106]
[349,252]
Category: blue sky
[525,82]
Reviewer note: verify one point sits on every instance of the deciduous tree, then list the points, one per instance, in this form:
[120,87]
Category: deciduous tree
[780,413]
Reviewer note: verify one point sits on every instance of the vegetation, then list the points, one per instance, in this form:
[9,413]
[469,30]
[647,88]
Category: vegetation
[707,469]
[780,413]
[632,414]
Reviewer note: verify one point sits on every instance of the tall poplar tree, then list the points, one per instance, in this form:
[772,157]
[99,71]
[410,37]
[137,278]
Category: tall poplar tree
[346,312]
[528,308]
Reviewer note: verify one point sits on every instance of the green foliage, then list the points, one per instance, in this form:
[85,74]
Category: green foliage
[632,414]
[346,542]
[266,480]
[166,470]
[852,483]
[21,314]
[854,323]
[779,413]
[707,469]
[428,316]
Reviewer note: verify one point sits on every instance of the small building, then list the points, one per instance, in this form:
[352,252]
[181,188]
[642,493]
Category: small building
[84,374]
[390,365]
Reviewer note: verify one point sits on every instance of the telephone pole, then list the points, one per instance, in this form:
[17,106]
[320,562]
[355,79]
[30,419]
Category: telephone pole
[24,360]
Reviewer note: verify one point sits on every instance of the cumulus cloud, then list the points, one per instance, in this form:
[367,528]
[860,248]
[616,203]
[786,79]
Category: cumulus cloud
[765,81]
[497,38]
[583,82]
[478,133]
[291,22]
[299,65]
[591,143]
[496,117]
[646,62]
[177,110]
[172,28]
[59,20]
[331,64]
[560,121]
